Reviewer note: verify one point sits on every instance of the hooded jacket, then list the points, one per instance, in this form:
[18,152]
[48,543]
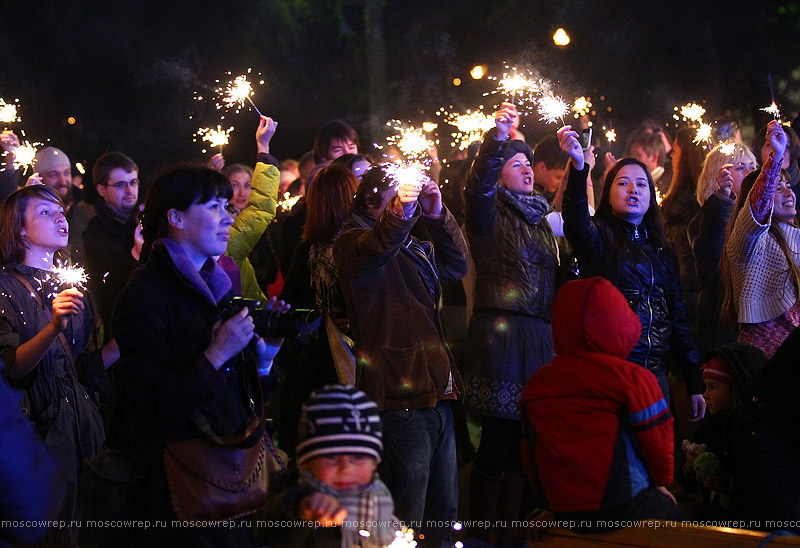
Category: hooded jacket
[597,428]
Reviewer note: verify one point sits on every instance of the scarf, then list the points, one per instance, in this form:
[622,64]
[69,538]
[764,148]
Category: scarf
[531,207]
[369,509]
[324,277]
[211,281]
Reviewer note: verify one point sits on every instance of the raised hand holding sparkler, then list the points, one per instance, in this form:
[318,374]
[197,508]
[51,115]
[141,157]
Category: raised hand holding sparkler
[504,120]
[569,142]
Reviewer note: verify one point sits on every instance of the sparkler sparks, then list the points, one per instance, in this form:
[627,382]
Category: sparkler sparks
[216,137]
[236,92]
[728,149]
[404,538]
[772,109]
[519,86]
[581,106]
[428,127]
[8,112]
[288,202]
[611,135]
[552,109]
[703,133]
[405,174]
[24,155]
[74,276]
[470,126]
[410,141]
[693,112]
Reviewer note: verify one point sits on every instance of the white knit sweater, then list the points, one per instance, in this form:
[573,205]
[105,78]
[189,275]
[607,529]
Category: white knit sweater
[762,282]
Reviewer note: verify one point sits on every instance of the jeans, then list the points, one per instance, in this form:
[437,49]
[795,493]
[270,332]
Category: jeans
[419,466]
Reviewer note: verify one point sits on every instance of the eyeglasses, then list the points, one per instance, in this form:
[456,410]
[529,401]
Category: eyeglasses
[119,185]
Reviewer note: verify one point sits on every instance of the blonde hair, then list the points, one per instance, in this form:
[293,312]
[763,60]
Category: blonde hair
[707,182]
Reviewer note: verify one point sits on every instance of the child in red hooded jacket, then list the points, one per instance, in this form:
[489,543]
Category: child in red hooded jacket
[598,440]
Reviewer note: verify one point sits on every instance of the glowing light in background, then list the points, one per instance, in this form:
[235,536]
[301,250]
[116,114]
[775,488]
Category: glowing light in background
[611,135]
[71,120]
[215,137]
[581,106]
[478,72]
[456,82]
[469,126]
[561,38]
[691,112]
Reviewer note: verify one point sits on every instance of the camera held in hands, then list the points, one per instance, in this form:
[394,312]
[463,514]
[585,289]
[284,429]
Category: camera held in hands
[274,324]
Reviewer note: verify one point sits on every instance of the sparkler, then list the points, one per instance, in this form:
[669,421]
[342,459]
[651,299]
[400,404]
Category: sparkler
[692,112]
[611,135]
[24,155]
[728,149]
[73,276]
[703,133]
[552,109]
[8,112]
[410,141]
[216,137]
[236,92]
[518,85]
[288,202]
[581,106]
[772,109]
[404,538]
[470,126]
[408,174]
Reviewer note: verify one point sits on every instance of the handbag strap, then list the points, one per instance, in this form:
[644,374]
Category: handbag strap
[256,420]
[61,337]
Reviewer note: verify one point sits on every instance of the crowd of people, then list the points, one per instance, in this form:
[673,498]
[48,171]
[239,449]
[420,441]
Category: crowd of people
[292,342]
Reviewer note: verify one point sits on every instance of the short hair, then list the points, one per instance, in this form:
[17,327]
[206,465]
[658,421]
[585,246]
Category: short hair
[707,182]
[288,163]
[548,151]
[349,160]
[12,220]
[179,189]
[109,161]
[650,142]
[761,138]
[336,129]
[232,169]
[327,202]
[374,184]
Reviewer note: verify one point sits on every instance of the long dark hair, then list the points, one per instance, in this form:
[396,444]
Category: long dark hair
[686,173]
[327,202]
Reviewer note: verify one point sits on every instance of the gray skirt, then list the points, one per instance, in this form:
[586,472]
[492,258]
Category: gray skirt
[503,350]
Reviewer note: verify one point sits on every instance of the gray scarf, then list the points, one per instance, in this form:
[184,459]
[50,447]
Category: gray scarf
[530,207]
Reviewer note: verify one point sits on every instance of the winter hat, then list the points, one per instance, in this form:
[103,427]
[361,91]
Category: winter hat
[48,158]
[339,419]
[716,369]
[514,147]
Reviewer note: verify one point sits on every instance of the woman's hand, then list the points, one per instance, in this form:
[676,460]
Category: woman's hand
[67,304]
[777,138]
[266,129]
[267,349]
[568,140]
[430,199]
[322,508]
[504,120]
[698,407]
[230,337]
[725,179]
[216,162]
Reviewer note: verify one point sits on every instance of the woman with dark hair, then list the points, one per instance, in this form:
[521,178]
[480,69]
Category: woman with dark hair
[189,374]
[680,206]
[516,258]
[45,332]
[357,163]
[760,264]
[312,282]
[625,243]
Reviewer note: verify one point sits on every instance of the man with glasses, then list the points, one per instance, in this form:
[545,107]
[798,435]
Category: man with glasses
[112,242]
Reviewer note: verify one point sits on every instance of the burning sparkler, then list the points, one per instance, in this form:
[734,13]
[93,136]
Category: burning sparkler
[405,174]
[470,126]
[552,109]
[8,112]
[518,85]
[288,202]
[692,112]
[216,137]
[728,149]
[236,92]
[703,133]
[24,155]
[73,276]
[581,106]
[404,538]
[611,135]
[410,141]
[772,109]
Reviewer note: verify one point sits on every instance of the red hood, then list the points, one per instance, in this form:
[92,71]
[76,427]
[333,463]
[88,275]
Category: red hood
[592,315]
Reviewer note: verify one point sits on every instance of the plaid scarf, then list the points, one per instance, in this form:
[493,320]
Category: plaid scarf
[369,509]
[324,277]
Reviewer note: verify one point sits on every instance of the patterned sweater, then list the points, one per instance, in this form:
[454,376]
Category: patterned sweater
[763,288]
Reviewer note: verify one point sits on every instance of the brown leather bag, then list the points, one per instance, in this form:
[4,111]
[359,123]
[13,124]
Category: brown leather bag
[218,479]
[210,482]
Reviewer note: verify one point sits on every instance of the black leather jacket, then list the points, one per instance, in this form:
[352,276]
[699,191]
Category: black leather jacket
[511,241]
[649,279]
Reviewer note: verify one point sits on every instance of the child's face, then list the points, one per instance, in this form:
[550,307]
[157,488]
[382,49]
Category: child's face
[719,397]
[344,471]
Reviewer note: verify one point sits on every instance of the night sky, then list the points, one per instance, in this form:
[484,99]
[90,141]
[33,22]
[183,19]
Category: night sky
[127,71]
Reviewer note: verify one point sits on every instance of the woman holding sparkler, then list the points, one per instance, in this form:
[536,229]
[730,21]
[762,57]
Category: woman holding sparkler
[625,243]
[760,263]
[190,374]
[44,335]
[720,183]
[509,335]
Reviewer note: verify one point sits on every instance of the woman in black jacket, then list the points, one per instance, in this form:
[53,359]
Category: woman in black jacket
[509,335]
[183,366]
[625,243]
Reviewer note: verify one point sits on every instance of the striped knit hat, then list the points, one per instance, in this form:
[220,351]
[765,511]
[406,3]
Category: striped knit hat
[339,419]
[716,369]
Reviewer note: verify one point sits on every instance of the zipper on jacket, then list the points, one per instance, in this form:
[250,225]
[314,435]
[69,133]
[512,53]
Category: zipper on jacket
[650,310]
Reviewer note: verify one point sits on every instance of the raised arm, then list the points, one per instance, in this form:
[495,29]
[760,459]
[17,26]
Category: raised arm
[760,197]
[578,227]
